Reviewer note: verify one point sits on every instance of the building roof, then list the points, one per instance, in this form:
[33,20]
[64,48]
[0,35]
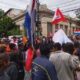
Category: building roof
[42,9]
[17,14]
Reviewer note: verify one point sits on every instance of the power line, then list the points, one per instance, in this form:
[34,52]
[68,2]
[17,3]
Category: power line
[64,11]
[65,3]
[72,7]
[71,10]
[71,4]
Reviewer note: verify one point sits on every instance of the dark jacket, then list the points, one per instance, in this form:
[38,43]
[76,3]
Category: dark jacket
[12,71]
[4,76]
[43,69]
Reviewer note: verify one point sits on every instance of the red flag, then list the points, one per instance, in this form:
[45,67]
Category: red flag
[29,59]
[58,17]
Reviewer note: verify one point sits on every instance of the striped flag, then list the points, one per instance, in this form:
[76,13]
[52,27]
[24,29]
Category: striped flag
[30,19]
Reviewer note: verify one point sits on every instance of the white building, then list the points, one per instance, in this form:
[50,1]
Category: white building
[45,16]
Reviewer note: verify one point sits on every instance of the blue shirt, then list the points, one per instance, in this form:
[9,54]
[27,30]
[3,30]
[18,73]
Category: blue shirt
[43,69]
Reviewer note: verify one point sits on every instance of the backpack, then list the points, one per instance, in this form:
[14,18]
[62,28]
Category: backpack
[4,76]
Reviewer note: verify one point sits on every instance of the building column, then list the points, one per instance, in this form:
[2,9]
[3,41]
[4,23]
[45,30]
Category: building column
[44,28]
[71,30]
[53,29]
[64,27]
[68,31]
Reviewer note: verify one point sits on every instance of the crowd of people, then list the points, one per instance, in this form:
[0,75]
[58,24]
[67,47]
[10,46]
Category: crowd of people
[44,60]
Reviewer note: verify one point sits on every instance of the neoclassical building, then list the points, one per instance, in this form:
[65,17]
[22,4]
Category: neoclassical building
[45,17]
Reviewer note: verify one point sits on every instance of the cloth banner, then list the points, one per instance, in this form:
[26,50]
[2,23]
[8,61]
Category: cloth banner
[61,37]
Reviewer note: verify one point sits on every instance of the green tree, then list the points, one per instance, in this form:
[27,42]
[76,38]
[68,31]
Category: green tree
[14,31]
[7,25]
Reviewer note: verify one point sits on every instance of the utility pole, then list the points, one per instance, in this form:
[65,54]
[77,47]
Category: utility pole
[38,31]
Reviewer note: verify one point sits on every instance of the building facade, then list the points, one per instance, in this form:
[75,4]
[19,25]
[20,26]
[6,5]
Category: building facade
[45,18]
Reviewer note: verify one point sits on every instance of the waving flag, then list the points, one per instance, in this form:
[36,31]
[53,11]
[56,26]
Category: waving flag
[30,20]
[29,59]
[58,17]
[61,37]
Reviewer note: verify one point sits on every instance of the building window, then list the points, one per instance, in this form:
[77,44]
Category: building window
[66,29]
[61,26]
[49,28]
[56,27]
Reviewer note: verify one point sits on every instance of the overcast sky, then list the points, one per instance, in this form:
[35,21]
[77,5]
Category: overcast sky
[64,5]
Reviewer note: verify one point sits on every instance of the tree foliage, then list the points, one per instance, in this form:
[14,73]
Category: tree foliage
[7,25]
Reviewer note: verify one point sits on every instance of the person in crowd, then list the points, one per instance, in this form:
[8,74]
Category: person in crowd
[77,53]
[64,62]
[44,39]
[37,42]
[2,49]
[77,49]
[3,76]
[8,70]
[68,47]
[7,42]
[20,60]
[42,68]
[13,53]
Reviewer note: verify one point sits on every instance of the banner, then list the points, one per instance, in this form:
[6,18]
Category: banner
[61,37]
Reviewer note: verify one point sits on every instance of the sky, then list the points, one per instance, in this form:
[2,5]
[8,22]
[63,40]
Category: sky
[64,5]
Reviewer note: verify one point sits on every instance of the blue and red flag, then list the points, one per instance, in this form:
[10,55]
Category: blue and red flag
[30,19]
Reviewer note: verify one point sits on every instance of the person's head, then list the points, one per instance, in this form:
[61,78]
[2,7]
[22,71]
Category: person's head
[64,47]
[51,45]
[14,37]
[2,49]
[68,47]
[20,44]
[44,49]
[76,44]
[57,46]
[12,46]
[4,58]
